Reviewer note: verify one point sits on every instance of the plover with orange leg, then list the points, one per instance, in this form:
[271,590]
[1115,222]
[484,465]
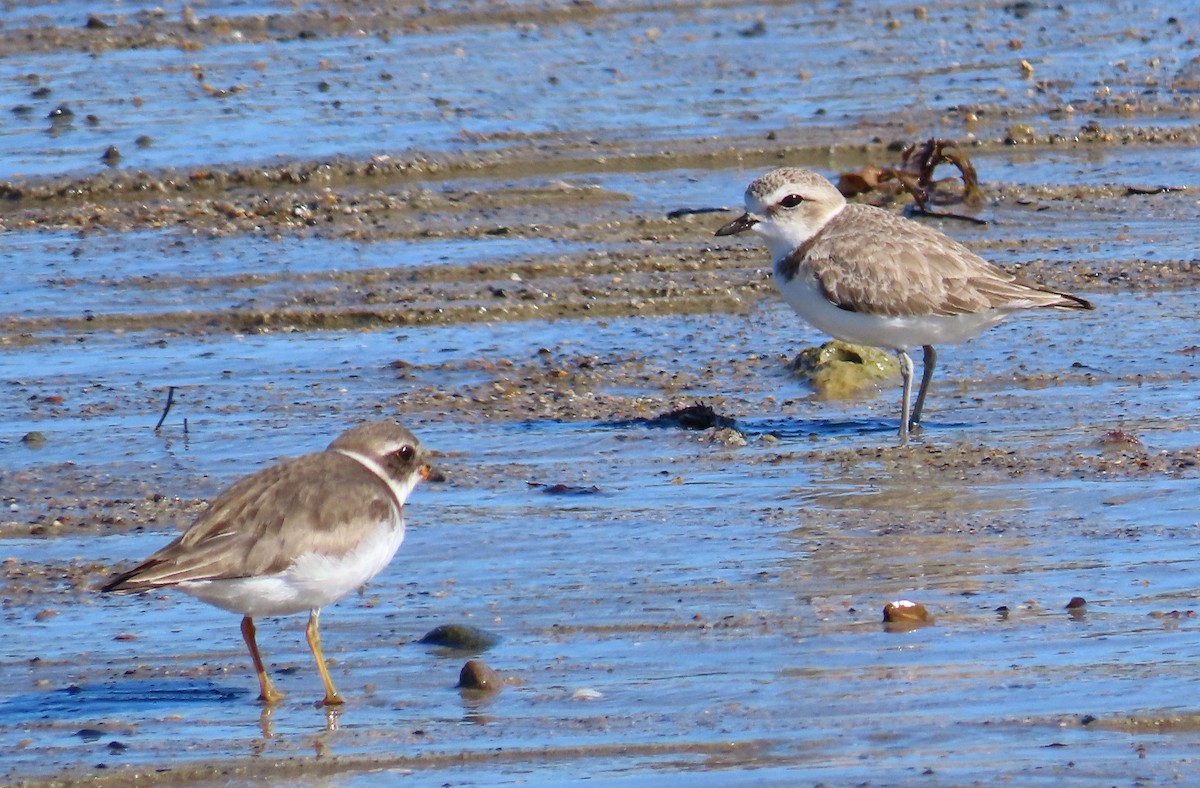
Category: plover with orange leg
[864,275]
[296,536]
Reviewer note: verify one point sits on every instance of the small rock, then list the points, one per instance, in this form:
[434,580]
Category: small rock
[463,637]
[903,615]
[586,694]
[840,370]
[34,439]
[111,156]
[568,489]
[475,675]
[728,437]
[1120,439]
[691,417]
[759,28]
[1020,133]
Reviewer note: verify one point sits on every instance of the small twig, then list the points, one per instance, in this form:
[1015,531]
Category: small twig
[167,409]
[948,215]
[679,213]
[1132,190]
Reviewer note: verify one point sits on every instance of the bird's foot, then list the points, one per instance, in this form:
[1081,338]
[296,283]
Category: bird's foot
[270,696]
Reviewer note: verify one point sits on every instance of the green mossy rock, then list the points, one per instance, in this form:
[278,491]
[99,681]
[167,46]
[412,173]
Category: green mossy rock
[839,370]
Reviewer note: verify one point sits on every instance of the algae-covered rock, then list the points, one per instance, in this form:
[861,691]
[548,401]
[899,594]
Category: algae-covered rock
[839,370]
[462,637]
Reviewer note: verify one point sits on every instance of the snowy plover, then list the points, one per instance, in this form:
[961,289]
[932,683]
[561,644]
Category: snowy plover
[867,276]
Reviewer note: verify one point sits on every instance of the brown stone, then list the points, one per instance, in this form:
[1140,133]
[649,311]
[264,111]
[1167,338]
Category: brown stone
[475,675]
[903,615]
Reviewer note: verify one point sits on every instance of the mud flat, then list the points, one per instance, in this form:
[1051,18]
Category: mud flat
[494,222]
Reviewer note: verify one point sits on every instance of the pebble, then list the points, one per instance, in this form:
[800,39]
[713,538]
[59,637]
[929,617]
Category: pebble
[33,438]
[476,675]
[460,636]
[903,615]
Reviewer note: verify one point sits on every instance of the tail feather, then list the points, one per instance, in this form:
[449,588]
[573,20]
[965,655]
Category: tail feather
[131,580]
[1071,301]
[124,582]
[1064,301]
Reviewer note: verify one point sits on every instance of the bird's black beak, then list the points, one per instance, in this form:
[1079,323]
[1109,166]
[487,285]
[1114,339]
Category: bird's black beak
[738,225]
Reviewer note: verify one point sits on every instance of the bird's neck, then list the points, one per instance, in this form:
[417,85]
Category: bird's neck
[784,238]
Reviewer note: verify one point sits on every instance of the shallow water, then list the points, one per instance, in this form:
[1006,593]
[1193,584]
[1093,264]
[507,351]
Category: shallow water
[698,610]
[649,73]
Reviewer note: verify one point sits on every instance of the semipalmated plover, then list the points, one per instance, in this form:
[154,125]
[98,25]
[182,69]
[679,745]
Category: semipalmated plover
[868,276]
[296,536]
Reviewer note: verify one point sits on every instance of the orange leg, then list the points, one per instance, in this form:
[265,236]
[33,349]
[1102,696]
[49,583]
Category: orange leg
[269,694]
[332,698]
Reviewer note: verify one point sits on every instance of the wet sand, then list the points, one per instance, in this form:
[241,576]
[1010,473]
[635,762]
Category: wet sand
[468,217]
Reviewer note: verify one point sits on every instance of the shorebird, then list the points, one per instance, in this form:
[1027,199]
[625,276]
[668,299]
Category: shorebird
[296,536]
[867,276]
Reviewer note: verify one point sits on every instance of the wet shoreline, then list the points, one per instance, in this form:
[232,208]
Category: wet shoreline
[496,224]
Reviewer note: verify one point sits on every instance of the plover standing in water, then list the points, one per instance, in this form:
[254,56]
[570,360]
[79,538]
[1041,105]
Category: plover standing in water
[296,536]
[867,276]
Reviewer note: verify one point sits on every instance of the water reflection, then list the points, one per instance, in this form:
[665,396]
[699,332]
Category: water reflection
[911,488]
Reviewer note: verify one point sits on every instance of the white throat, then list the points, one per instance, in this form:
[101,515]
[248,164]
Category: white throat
[400,487]
[784,235]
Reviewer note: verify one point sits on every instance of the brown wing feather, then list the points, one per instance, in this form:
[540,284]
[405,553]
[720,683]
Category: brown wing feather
[321,503]
[911,269]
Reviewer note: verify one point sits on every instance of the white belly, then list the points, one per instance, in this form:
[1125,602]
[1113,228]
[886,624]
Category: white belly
[804,295]
[312,581]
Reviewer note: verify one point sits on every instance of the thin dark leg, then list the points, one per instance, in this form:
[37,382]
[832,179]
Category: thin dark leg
[926,375]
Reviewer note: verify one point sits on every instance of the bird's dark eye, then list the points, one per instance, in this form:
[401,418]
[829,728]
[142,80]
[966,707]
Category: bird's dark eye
[791,201]
[406,453]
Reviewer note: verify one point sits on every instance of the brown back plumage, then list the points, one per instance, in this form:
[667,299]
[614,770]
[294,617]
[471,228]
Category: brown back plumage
[910,270]
[324,503]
